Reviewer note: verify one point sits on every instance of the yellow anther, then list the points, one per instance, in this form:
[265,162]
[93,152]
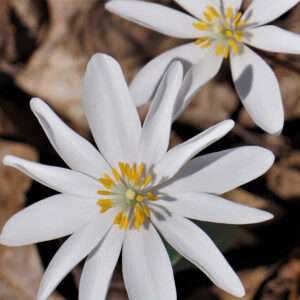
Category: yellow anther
[122,168]
[105,208]
[134,171]
[238,38]
[147,180]
[229,33]
[137,224]
[225,24]
[151,197]
[105,183]
[104,202]
[229,13]
[201,40]
[239,33]
[108,178]
[241,23]
[126,223]
[140,169]
[130,194]
[201,25]
[116,174]
[226,51]
[129,172]
[147,211]
[207,16]
[237,18]
[104,193]
[234,46]
[219,49]
[139,198]
[118,218]
[212,11]
[206,45]
[122,222]
[137,179]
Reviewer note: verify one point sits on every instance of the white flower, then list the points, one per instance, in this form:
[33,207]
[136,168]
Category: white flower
[142,188]
[219,30]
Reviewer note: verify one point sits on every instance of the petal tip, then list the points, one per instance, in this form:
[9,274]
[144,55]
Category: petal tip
[8,160]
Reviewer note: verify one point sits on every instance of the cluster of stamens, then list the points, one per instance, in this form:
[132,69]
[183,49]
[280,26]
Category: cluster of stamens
[223,29]
[128,190]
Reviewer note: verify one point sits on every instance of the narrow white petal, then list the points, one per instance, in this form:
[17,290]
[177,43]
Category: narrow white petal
[196,7]
[74,249]
[194,244]
[261,12]
[157,126]
[211,208]
[258,88]
[179,155]
[147,268]
[76,151]
[157,17]
[48,219]
[198,75]
[145,83]
[59,179]
[275,39]
[99,266]
[234,4]
[221,171]
[112,115]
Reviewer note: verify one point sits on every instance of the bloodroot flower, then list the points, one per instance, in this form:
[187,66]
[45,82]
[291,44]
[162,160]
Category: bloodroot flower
[219,31]
[134,188]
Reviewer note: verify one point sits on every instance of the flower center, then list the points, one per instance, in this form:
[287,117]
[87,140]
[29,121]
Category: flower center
[130,190]
[223,29]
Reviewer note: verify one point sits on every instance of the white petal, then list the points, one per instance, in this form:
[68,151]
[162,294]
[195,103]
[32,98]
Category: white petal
[221,171]
[147,269]
[157,126]
[234,4]
[196,7]
[76,151]
[211,208]
[258,88]
[275,39]
[157,17]
[194,244]
[59,179]
[99,266]
[145,83]
[74,249]
[179,155]
[261,12]
[48,219]
[112,115]
[198,75]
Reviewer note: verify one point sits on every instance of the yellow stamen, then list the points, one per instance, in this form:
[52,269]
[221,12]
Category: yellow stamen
[201,25]
[105,208]
[229,33]
[116,174]
[147,211]
[237,18]
[151,197]
[206,45]
[219,49]
[239,33]
[126,223]
[137,224]
[129,172]
[207,16]
[122,168]
[226,24]
[212,11]
[147,180]
[134,171]
[140,169]
[228,13]
[137,179]
[241,23]
[105,183]
[234,46]
[107,177]
[226,51]
[201,40]
[118,218]
[238,38]
[139,198]
[104,193]
[122,222]
[104,202]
